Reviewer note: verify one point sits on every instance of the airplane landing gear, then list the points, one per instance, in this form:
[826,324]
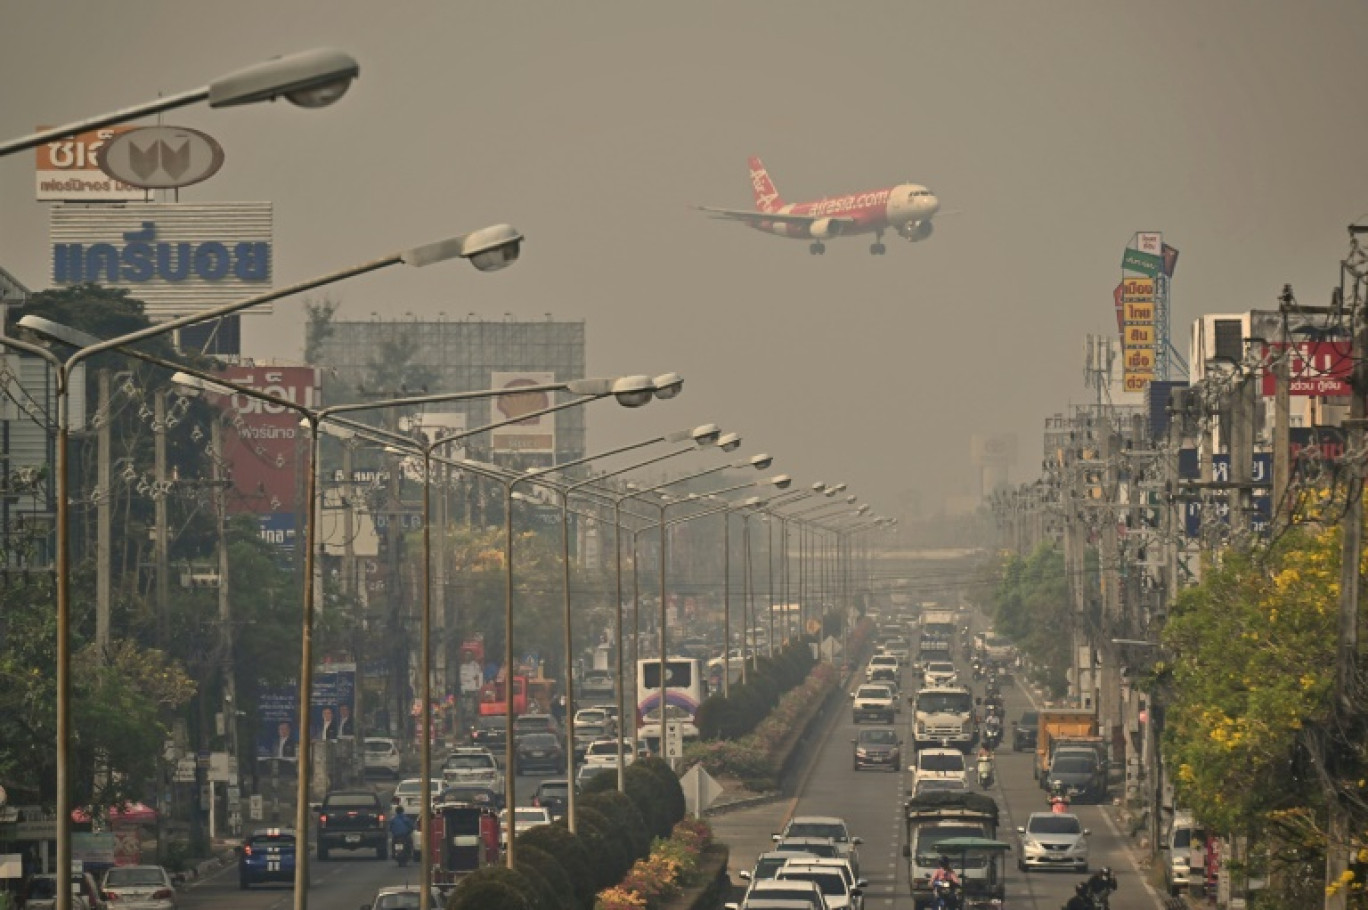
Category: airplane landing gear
[877,248]
[817,248]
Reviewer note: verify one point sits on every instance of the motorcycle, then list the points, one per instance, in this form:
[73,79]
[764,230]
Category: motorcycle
[992,736]
[985,772]
[401,850]
[944,895]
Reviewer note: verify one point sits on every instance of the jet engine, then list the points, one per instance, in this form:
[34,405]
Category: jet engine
[824,228]
[915,231]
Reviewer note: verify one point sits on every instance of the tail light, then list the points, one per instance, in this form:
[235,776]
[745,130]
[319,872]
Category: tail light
[322,821]
[162,894]
[536,801]
[382,818]
[112,896]
[247,850]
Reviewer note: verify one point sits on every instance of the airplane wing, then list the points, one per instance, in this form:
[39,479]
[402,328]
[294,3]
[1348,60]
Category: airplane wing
[754,217]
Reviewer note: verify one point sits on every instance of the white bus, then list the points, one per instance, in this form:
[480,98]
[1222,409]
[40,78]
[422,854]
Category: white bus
[685,689]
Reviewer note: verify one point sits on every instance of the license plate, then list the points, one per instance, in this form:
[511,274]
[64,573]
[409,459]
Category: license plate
[353,838]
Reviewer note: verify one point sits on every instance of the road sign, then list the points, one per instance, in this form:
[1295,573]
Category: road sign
[700,790]
[674,741]
[254,807]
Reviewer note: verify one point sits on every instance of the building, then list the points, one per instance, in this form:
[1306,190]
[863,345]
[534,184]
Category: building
[28,408]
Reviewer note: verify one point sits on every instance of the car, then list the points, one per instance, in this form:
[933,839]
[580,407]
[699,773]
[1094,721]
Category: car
[535,723]
[138,888]
[472,765]
[597,684]
[552,795]
[878,747]
[940,763]
[1053,840]
[1183,845]
[381,756]
[1079,774]
[540,752]
[874,702]
[40,892]
[882,662]
[408,793]
[1025,730]
[883,676]
[827,826]
[267,855]
[940,673]
[585,734]
[767,865]
[812,846]
[763,895]
[587,773]
[402,897]
[352,820]
[839,892]
[594,715]
[940,784]
[899,648]
[605,751]
[490,731]
[524,818]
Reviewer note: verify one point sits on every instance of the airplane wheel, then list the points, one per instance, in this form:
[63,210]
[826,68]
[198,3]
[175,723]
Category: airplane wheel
[817,249]
[877,249]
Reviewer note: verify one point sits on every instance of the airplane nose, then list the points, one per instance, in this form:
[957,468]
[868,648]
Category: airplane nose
[932,205]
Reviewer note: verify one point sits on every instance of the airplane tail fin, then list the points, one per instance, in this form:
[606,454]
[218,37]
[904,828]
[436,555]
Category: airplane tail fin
[766,196]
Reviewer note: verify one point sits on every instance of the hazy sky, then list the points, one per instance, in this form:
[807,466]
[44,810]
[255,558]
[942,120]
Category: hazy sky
[1056,129]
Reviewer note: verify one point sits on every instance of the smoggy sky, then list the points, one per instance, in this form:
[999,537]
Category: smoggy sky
[1054,129]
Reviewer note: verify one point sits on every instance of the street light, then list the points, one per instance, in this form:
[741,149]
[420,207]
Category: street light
[314,78]
[87,346]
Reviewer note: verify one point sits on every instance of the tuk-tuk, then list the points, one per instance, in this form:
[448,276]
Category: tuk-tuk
[465,836]
[980,893]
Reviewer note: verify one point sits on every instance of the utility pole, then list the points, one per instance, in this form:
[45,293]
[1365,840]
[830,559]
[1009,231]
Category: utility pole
[230,724]
[163,532]
[1282,420]
[103,521]
[1345,706]
[1110,557]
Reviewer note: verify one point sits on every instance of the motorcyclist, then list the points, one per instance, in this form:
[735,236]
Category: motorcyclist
[946,875]
[1059,798]
[401,828]
[985,766]
[992,731]
[1101,885]
[1080,900]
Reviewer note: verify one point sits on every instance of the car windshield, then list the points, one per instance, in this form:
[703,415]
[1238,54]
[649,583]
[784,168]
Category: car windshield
[351,801]
[873,692]
[879,737]
[271,840]
[495,723]
[467,795]
[528,724]
[384,747]
[940,761]
[823,850]
[833,830]
[767,867]
[784,894]
[589,731]
[134,876]
[1074,764]
[469,763]
[945,702]
[533,816]
[939,667]
[401,900]
[554,791]
[926,785]
[1054,824]
[540,741]
[829,882]
[928,841]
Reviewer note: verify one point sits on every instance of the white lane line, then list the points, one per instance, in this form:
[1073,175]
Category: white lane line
[1132,858]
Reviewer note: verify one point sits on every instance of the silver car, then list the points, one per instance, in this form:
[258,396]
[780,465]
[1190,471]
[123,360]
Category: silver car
[139,888]
[1053,840]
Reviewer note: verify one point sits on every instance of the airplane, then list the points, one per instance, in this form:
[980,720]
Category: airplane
[906,209]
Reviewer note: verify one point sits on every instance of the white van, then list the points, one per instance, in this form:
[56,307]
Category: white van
[1186,845]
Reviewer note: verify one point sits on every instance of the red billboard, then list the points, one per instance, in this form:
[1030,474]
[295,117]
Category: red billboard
[1321,368]
[264,446]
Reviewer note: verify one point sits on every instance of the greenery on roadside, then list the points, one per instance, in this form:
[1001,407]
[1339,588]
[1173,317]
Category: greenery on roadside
[1030,605]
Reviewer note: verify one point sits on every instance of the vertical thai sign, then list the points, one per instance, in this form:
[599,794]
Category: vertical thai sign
[1138,297]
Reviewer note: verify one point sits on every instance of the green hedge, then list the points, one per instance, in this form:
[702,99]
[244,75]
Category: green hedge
[750,702]
[495,888]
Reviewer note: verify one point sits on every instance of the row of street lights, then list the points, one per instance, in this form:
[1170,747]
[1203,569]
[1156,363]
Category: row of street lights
[315,79]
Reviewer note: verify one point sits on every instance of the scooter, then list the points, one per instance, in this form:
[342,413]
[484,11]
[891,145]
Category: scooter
[985,772]
[401,851]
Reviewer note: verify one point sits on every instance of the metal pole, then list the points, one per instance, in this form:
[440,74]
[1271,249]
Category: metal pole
[510,754]
[664,678]
[568,656]
[621,647]
[303,753]
[104,516]
[163,536]
[425,665]
[726,604]
[63,643]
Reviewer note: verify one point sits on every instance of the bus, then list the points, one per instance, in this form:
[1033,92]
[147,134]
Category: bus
[685,689]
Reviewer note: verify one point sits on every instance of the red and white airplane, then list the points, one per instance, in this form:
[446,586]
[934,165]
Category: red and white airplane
[906,208]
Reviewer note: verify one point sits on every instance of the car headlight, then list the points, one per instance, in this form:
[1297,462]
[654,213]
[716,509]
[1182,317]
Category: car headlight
[861,753]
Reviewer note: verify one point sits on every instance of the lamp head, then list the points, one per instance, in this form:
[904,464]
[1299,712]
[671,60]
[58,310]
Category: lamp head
[818,487]
[668,385]
[729,442]
[488,249]
[57,332]
[761,462]
[838,488]
[862,509]
[782,481]
[633,391]
[706,434]
[850,500]
[313,78]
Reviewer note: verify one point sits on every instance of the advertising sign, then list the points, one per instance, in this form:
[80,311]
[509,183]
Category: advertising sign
[330,712]
[1151,242]
[161,157]
[1170,256]
[264,445]
[1117,302]
[1137,290]
[1150,264]
[69,169]
[1139,360]
[177,258]
[1319,355]
[1139,336]
[532,435]
[1138,313]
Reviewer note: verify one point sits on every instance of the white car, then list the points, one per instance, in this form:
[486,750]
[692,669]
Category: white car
[592,716]
[381,756]
[524,818]
[838,892]
[1050,840]
[773,893]
[874,702]
[940,673]
[472,765]
[408,793]
[830,826]
[882,661]
[940,764]
[605,751]
[139,888]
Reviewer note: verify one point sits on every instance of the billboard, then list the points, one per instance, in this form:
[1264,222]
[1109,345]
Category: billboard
[68,170]
[1150,264]
[331,710]
[1151,242]
[533,435]
[265,448]
[1320,356]
[176,258]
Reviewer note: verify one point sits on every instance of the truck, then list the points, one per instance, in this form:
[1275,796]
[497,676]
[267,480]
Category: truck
[1060,722]
[352,820]
[939,816]
[874,702]
[938,624]
[944,715]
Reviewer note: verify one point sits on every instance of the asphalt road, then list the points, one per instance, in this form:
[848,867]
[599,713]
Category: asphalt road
[871,802]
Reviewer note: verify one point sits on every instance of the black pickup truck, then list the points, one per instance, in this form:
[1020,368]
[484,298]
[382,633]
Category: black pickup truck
[352,820]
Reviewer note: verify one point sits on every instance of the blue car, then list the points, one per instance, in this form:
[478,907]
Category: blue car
[268,855]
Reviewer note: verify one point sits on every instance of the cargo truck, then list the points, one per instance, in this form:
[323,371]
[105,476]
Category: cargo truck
[932,818]
[1060,722]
